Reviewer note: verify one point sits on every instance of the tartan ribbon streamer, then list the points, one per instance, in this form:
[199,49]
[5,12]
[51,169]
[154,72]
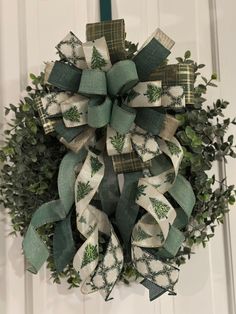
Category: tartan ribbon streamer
[94,87]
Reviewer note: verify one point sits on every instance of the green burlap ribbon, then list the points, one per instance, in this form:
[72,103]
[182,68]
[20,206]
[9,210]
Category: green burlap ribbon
[149,240]
[34,248]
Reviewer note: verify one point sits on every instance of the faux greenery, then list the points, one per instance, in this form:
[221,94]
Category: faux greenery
[31,160]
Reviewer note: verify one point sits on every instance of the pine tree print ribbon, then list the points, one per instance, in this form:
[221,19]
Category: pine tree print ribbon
[95,274]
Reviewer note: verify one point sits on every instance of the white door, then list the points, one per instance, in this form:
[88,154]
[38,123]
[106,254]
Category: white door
[29,31]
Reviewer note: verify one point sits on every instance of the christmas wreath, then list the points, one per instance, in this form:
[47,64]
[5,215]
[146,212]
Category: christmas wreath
[106,162]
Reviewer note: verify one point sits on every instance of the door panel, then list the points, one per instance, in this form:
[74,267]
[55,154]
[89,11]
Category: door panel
[30,29]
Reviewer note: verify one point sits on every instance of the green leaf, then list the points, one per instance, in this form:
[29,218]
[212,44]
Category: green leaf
[214,76]
[26,107]
[187,54]
[32,76]
[204,79]
[180,60]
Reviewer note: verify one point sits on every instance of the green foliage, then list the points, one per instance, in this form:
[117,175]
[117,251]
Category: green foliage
[153,93]
[203,136]
[72,114]
[96,165]
[31,160]
[90,254]
[97,61]
[118,142]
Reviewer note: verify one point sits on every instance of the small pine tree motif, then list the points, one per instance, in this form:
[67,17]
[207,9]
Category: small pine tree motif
[153,93]
[173,148]
[72,114]
[97,61]
[82,220]
[160,208]
[170,177]
[96,165]
[83,189]
[140,234]
[118,142]
[90,254]
[140,191]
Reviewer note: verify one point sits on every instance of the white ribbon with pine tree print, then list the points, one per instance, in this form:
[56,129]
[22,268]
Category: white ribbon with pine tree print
[152,230]
[97,54]
[70,48]
[75,111]
[145,144]
[173,96]
[117,143]
[51,103]
[146,94]
[91,221]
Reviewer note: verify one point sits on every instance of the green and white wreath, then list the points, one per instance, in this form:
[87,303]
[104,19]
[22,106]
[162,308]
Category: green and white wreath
[106,162]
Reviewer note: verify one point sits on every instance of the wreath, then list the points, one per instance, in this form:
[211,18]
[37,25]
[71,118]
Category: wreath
[106,162]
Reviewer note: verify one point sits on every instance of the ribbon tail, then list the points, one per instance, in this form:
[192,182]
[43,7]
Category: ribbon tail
[63,243]
[127,209]
[155,291]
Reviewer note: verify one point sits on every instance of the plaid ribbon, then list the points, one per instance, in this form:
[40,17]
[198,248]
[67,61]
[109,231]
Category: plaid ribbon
[48,124]
[177,74]
[128,163]
[114,32]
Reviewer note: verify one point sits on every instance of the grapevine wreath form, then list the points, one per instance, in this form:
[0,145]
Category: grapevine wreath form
[106,160]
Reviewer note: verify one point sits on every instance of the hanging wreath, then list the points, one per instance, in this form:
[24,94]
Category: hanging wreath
[106,162]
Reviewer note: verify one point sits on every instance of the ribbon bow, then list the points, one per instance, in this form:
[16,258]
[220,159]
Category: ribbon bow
[93,90]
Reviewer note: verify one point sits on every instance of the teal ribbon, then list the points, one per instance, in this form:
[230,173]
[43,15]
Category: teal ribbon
[68,133]
[34,248]
[63,243]
[105,10]
[183,194]
[65,76]
[122,118]
[150,120]
[93,82]
[99,112]
[149,58]
[109,192]
[155,291]
[127,210]
[122,77]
